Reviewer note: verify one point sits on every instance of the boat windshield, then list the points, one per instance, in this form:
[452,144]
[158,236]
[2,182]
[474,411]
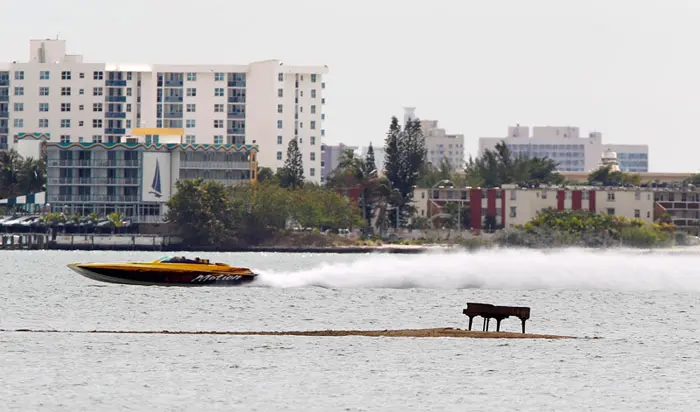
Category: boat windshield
[182,259]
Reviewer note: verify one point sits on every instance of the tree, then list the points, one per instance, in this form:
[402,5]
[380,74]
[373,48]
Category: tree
[405,154]
[607,177]
[497,167]
[265,173]
[292,173]
[370,163]
[20,176]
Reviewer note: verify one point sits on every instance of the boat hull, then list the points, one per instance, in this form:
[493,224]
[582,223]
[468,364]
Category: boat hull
[162,277]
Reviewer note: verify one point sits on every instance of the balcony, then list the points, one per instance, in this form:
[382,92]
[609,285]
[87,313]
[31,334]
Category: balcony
[4,115]
[115,83]
[4,98]
[3,146]
[239,83]
[232,115]
[236,99]
[173,115]
[116,99]
[235,131]
[4,82]
[174,83]
[115,131]
[4,130]
[115,115]
[173,99]
[93,181]
[93,163]
[91,198]
[215,165]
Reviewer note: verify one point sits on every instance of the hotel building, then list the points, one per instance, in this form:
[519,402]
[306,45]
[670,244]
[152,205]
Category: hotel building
[266,103]
[565,146]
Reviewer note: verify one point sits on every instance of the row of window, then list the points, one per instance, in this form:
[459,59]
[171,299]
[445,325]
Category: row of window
[280,77]
[67,91]
[301,140]
[65,123]
[280,109]
[66,107]
[280,93]
[312,125]
[312,156]
[65,75]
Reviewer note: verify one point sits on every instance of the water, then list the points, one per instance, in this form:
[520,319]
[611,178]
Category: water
[644,305]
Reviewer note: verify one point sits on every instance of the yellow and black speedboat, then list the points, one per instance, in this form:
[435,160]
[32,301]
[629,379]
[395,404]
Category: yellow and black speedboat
[167,271]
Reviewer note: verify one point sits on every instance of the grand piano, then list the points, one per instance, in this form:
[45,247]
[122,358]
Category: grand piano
[488,312]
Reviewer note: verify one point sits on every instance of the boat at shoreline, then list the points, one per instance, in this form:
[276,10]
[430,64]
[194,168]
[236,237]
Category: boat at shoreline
[166,271]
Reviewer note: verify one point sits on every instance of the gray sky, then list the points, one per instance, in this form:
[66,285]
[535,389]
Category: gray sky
[626,68]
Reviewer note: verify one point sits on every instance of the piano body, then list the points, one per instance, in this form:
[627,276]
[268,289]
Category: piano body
[489,311]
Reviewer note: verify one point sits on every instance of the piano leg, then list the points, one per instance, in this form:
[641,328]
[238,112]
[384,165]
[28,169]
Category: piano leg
[498,325]
[523,321]
[486,324]
[471,318]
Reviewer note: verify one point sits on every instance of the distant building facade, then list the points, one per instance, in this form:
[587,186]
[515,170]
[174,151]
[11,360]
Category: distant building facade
[266,103]
[439,144]
[137,177]
[330,156]
[564,145]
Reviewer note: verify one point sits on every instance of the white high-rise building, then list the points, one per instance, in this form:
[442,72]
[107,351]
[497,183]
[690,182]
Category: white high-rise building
[564,145]
[267,103]
[440,145]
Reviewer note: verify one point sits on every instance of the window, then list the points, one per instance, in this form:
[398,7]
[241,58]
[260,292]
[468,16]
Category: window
[128,107]
[313,93]
[279,139]
[97,138]
[637,196]
[312,172]
[19,75]
[97,123]
[585,195]
[19,123]
[313,109]
[301,125]
[313,78]
[128,91]
[43,122]
[313,124]
[81,92]
[43,107]
[19,91]
[128,124]
[191,77]
[65,123]
[312,156]
[80,123]
[65,138]
[218,124]
[82,76]
[219,92]
[97,91]
[65,107]
[636,213]
[218,108]
[313,140]
[97,107]
[611,211]
[513,211]
[128,76]
[279,124]
[191,108]
[189,139]
[280,108]
[219,77]
[279,155]
[44,75]
[19,107]
[190,123]
[280,77]
[218,139]
[65,76]
[43,91]
[611,196]
[512,194]
[97,76]
[65,91]
[280,93]
[191,91]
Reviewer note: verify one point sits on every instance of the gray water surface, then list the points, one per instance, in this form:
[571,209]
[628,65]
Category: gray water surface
[644,306]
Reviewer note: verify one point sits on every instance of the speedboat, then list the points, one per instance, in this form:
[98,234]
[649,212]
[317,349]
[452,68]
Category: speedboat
[166,271]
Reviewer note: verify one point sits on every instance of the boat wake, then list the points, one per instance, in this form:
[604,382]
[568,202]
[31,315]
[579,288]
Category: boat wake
[616,269]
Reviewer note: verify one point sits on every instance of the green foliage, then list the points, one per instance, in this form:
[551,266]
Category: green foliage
[292,173]
[207,213]
[606,177]
[265,173]
[370,162]
[20,176]
[498,167]
[583,228]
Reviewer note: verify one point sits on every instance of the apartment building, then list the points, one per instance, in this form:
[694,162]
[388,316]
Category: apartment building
[512,205]
[682,205]
[439,144]
[137,177]
[566,146]
[330,157]
[69,100]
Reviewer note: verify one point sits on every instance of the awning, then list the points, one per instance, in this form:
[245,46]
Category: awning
[31,199]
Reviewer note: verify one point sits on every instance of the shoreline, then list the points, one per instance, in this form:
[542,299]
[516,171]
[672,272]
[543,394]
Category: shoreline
[388,333]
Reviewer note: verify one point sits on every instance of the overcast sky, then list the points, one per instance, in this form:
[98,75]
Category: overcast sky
[626,68]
